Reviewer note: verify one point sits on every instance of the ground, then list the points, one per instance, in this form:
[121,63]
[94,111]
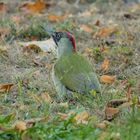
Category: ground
[104,30]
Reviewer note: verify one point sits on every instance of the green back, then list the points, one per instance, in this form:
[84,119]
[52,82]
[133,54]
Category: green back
[76,73]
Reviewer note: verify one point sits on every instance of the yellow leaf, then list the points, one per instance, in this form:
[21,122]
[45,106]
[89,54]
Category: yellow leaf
[107,79]
[20,126]
[5,87]
[105,65]
[36,7]
[46,97]
[82,117]
[86,28]
[56,17]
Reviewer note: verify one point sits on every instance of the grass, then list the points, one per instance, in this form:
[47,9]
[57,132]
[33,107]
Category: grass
[24,100]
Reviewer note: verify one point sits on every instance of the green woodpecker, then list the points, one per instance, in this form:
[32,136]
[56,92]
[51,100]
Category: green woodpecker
[72,72]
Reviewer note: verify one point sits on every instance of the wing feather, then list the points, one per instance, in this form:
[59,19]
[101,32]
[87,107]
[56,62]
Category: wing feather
[76,73]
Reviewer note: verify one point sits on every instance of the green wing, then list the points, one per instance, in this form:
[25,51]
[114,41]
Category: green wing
[76,73]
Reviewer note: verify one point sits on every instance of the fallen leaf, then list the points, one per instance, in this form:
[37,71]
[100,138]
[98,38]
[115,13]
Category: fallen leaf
[82,117]
[3,7]
[20,125]
[110,112]
[5,87]
[46,46]
[31,47]
[46,97]
[56,17]
[107,79]
[86,28]
[34,7]
[106,31]
[105,65]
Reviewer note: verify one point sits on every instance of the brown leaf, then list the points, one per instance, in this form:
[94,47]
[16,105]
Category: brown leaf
[5,87]
[20,125]
[105,65]
[3,7]
[106,31]
[110,112]
[82,117]
[31,47]
[56,17]
[36,7]
[86,28]
[107,79]
[46,97]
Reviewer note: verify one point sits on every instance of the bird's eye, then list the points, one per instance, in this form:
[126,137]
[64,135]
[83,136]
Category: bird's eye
[57,35]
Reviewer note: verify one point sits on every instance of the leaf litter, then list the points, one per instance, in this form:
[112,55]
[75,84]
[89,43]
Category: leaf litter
[100,45]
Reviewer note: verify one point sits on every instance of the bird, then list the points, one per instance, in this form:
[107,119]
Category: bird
[72,72]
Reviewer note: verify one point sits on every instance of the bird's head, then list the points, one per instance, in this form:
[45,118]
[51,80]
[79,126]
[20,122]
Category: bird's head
[65,42]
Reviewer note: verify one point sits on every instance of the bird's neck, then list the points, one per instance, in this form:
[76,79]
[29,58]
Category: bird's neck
[65,47]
